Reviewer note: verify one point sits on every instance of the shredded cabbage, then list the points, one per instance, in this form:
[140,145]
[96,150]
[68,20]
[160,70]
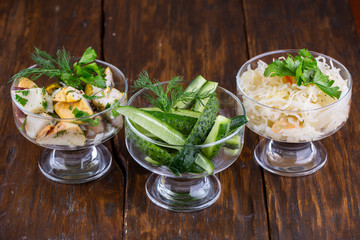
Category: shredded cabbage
[287,112]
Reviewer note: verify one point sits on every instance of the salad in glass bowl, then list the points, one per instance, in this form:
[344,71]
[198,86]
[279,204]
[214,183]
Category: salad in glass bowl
[184,137]
[294,101]
[68,106]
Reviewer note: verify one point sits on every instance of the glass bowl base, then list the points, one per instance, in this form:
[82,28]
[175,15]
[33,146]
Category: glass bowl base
[76,166]
[183,195]
[290,159]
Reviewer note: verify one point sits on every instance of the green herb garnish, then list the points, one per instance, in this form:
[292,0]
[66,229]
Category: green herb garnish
[165,99]
[78,114]
[60,133]
[44,104]
[86,70]
[91,97]
[21,100]
[115,113]
[23,125]
[43,91]
[54,115]
[25,92]
[304,68]
[107,106]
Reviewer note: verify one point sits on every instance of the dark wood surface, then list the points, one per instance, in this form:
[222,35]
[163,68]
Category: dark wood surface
[167,38]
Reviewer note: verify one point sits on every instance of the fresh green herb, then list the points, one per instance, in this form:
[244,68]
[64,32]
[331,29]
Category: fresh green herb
[165,98]
[25,92]
[60,133]
[115,106]
[304,68]
[89,71]
[70,107]
[86,70]
[54,115]
[21,100]
[88,56]
[44,104]
[91,97]
[115,113]
[23,125]
[78,114]
[43,91]
[107,106]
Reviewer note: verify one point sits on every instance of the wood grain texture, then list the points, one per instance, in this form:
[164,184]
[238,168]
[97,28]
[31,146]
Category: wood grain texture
[188,38]
[32,207]
[212,38]
[324,205]
[355,9]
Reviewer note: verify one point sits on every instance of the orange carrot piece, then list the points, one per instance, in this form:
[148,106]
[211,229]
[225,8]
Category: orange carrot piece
[278,125]
[289,79]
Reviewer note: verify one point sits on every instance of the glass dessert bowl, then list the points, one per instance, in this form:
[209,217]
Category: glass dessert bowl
[74,151]
[184,192]
[292,118]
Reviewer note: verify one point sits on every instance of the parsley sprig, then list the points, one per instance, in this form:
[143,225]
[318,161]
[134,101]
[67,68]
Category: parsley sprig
[166,98]
[78,114]
[84,71]
[304,68]
[21,100]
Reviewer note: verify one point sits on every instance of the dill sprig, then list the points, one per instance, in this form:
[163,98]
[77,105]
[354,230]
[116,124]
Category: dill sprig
[47,65]
[59,67]
[166,98]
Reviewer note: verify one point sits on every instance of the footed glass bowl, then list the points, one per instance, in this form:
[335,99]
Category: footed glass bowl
[74,151]
[290,146]
[189,191]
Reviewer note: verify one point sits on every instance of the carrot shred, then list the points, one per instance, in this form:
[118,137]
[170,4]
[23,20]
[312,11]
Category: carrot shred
[279,125]
[289,79]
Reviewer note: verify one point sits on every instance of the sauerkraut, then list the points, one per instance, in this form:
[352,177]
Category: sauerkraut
[281,110]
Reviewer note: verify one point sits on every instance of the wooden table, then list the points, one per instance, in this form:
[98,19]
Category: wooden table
[168,38]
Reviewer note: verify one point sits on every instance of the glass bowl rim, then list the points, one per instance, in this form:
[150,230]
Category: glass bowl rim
[258,57]
[164,144]
[71,119]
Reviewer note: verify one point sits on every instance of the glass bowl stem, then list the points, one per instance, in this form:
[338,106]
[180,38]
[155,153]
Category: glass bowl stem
[183,194]
[290,159]
[78,166]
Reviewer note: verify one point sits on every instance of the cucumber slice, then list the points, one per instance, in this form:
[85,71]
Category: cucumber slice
[234,142]
[196,169]
[150,123]
[144,131]
[231,152]
[152,161]
[156,153]
[219,130]
[237,122]
[186,112]
[182,112]
[187,155]
[208,88]
[183,124]
[204,163]
[151,109]
[194,87]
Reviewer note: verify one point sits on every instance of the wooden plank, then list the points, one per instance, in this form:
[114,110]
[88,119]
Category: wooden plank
[355,9]
[188,38]
[32,207]
[324,205]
